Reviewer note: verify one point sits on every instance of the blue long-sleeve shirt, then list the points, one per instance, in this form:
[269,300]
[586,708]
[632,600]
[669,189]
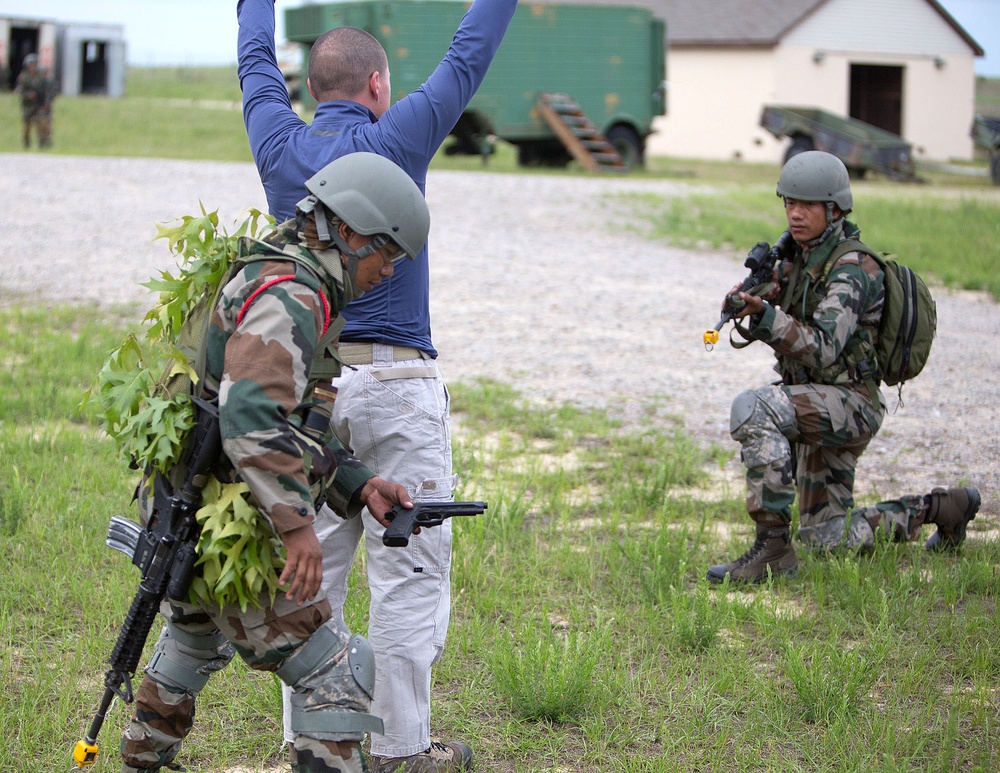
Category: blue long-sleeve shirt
[288,151]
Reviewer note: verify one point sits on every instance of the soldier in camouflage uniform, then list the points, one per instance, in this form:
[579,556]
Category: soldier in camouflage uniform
[826,407]
[37,92]
[270,358]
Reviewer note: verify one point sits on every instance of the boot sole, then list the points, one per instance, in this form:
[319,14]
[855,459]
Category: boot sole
[975,500]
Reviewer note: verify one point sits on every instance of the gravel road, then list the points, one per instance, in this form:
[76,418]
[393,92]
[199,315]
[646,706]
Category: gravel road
[536,283]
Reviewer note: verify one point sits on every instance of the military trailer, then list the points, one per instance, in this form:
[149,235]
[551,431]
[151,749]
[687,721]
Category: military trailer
[986,134]
[564,78]
[859,145]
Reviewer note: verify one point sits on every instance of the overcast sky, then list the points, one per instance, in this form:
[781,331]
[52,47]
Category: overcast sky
[168,32]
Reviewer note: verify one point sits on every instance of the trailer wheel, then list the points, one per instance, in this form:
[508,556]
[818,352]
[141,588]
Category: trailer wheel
[800,144]
[626,141]
[995,166]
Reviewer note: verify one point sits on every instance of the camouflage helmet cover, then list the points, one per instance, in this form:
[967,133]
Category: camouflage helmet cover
[30,59]
[815,175]
[374,196]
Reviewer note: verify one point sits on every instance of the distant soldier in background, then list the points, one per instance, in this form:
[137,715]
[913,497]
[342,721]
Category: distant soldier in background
[37,91]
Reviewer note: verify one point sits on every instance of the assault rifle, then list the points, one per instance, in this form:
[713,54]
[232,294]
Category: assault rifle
[761,261]
[404,521]
[165,552]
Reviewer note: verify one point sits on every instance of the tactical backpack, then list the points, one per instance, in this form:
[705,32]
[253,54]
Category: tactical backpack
[909,318]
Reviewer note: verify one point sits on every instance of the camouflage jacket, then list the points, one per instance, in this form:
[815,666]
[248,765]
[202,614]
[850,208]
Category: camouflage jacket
[820,328]
[265,329]
[37,91]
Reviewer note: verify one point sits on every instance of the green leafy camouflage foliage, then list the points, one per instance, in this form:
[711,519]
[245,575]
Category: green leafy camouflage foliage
[148,424]
[149,416]
[145,413]
[239,555]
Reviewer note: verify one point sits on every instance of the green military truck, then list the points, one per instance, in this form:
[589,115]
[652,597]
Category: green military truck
[606,62]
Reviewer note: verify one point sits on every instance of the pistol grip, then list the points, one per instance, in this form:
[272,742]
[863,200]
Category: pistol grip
[397,534]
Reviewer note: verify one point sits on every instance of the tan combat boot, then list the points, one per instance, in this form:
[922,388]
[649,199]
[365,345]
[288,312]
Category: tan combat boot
[772,550]
[951,509]
[439,758]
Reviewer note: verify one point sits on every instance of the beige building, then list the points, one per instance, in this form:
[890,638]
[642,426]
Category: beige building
[903,65]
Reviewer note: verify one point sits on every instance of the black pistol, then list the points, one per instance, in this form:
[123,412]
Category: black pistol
[404,521]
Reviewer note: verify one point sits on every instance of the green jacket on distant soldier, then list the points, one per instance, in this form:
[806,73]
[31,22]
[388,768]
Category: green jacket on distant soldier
[37,91]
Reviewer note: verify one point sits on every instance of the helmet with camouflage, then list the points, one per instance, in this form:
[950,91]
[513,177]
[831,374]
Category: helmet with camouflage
[30,59]
[814,175]
[374,197]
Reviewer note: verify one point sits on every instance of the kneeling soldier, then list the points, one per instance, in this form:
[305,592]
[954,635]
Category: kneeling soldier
[825,405]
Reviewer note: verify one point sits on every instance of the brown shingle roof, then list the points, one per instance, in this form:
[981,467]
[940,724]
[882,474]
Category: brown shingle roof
[741,22]
[731,22]
[722,22]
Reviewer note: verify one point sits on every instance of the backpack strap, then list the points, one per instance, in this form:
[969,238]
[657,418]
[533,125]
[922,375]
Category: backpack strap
[201,358]
[846,246]
[868,371]
[327,362]
[278,280]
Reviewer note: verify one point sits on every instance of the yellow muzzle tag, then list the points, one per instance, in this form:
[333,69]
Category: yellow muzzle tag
[85,754]
[711,338]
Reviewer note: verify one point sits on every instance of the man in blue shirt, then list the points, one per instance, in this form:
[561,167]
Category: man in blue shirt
[392,407]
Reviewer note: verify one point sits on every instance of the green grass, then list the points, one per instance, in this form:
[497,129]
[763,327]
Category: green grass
[197,83]
[988,96]
[583,637]
[137,127]
[948,236]
[182,113]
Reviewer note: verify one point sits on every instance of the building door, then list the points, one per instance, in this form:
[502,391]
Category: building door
[877,96]
[23,41]
[94,73]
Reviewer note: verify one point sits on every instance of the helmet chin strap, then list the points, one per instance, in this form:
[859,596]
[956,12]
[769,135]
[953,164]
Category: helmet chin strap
[327,234]
[830,223]
[353,258]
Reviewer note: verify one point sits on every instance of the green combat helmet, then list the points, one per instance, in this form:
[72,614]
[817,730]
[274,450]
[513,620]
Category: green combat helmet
[814,175]
[374,197]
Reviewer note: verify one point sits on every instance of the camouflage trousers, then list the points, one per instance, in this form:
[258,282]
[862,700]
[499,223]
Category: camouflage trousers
[41,119]
[830,427]
[197,642]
